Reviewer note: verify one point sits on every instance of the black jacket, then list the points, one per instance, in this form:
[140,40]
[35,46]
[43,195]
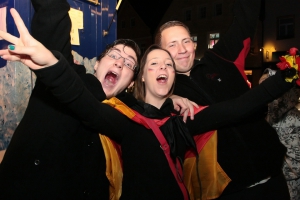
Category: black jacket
[52,155]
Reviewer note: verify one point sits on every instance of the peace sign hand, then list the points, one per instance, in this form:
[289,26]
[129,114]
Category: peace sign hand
[26,49]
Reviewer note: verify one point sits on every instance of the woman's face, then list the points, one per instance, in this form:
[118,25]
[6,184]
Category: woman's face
[158,75]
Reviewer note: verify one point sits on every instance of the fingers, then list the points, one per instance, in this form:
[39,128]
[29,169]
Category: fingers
[8,37]
[177,108]
[194,104]
[185,115]
[22,50]
[7,55]
[19,22]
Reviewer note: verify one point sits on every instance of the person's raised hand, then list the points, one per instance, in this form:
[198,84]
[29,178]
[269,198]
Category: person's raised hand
[25,49]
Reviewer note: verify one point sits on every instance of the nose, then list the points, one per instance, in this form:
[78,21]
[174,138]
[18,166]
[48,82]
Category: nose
[181,48]
[163,66]
[119,63]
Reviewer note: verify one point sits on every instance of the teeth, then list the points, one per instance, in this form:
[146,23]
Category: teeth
[114,73]
[162,76]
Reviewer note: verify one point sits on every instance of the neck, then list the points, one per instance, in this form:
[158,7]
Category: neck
[184,73]
[156,102]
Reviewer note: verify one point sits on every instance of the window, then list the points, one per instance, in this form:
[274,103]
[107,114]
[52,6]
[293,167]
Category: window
[213,39]
[132,22]
[123,24]
[218,9]
[285,27]
[188,15]
[194,39]
[202,12]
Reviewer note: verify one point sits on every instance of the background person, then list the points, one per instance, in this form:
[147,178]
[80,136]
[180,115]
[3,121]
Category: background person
[284,116]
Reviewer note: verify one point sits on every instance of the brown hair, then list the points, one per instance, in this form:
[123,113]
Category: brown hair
[168,25]
[127,43]
[139,85]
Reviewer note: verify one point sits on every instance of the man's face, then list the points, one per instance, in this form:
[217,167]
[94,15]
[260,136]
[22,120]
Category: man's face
[178,42]
[113,70]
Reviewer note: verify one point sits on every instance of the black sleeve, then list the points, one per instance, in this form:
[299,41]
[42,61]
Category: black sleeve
[68,88]
[51,25]
[246,15]
[235,110]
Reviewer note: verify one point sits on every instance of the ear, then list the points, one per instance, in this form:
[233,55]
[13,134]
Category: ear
[130,85]
[96,65]
[143,80]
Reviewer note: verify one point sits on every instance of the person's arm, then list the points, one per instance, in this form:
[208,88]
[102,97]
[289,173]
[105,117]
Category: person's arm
[54,71]
[51,25]
[68,88]
[280,106]
[233,111]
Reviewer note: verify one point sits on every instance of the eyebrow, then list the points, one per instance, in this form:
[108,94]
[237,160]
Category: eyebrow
[159,58]
[174,41]
[113,48]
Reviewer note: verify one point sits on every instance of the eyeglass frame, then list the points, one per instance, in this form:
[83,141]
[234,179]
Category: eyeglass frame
[125,59]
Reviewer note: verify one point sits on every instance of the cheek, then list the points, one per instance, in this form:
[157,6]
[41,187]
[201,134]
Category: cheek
[190,49]
[173,51]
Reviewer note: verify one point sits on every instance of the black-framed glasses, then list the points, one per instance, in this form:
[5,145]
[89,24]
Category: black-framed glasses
[116,56]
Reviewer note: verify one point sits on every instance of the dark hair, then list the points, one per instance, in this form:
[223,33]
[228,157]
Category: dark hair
[168,25]
[127,43]
[139,85]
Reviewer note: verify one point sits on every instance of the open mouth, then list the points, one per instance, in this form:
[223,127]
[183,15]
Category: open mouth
[111,78]
[162,78]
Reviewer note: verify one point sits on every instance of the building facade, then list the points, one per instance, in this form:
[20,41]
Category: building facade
[208,20]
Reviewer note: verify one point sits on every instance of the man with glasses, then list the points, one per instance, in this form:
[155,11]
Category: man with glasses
[52,154]
[249,152]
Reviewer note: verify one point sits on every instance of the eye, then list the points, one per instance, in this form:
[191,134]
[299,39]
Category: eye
[153,63]
[129,65]
[171,45]
[169,65]
[112,55]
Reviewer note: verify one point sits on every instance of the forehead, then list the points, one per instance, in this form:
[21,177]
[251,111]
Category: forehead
[158,54]
[125,50]
[173,34]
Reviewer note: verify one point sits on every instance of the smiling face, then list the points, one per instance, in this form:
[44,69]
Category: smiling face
[158,76]
[113,70]
[177,41]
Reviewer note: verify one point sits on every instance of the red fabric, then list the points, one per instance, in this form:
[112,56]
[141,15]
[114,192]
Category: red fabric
[200,140]
[240,61]
[119,151]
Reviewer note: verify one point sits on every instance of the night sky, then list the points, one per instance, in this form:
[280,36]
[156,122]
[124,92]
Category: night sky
[151,11]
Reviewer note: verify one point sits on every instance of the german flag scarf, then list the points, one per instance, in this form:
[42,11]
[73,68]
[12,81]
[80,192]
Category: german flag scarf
[213,178]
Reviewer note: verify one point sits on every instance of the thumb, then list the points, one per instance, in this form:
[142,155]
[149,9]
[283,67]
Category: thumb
[20,50]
